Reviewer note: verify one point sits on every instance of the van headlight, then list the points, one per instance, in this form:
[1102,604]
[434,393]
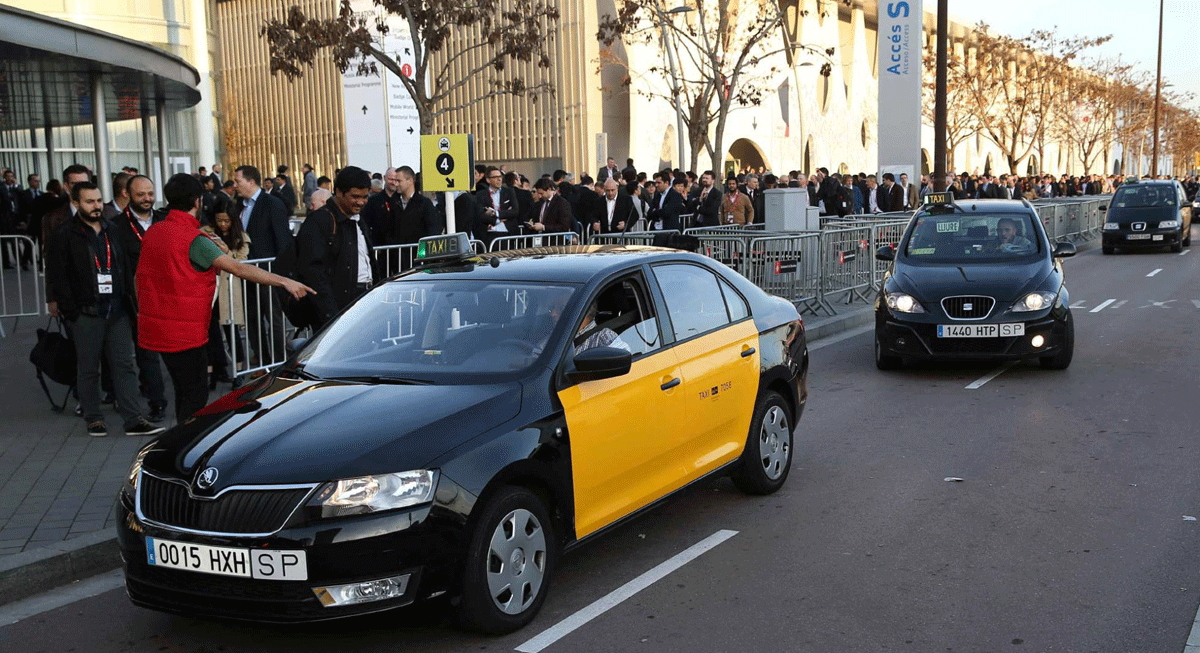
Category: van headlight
[1111,226]
[368,494]
[1035,301]
[1168,224]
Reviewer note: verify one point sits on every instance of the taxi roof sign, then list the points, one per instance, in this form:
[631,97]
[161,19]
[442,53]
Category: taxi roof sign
[939,199]
[443,248]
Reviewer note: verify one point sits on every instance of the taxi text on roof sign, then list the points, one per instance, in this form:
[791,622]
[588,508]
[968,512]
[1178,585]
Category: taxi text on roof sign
[450,246]
[448,162]
[939,198]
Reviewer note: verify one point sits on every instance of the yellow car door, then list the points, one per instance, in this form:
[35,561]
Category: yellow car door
[717,348]
[625,431]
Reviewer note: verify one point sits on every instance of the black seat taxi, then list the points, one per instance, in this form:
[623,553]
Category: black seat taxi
[1151,213]
[976,280]
[459,427]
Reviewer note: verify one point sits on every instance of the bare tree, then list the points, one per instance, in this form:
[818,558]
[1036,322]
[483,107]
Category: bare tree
[486,38]
[961,121]
[724,52]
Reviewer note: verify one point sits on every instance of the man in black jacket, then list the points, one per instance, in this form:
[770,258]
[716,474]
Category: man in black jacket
[551,214]
[616,212]
[499,203]
[524,198]
[130,228]
[93,288]
[413,214]
[705,203]
[334,250]
[265,219]
[285,191]
[665,215]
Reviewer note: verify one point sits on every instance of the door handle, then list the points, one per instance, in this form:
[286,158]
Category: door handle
[749,351]
[670,384]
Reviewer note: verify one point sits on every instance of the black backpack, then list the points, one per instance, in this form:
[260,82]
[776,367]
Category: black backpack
[54,357]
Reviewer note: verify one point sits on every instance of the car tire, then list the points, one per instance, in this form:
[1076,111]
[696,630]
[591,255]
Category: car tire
[767,458]
[1187,239]
[1177,247]
[1108,250]
[513,543]
[1062,360]
[883,362]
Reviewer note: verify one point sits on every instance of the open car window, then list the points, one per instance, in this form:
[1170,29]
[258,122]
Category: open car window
[965,237]
[621,316]
[428,329]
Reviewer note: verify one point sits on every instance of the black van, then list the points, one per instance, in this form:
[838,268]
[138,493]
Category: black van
[1148,213]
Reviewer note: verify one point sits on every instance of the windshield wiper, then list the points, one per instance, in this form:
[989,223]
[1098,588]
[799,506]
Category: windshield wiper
[383,379]
[307,376]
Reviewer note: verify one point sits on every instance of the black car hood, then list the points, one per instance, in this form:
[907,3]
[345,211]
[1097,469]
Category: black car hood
[1006,283]
[290,431]
[1154,214]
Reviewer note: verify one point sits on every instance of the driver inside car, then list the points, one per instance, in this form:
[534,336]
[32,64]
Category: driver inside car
[1007,237]
[602,337]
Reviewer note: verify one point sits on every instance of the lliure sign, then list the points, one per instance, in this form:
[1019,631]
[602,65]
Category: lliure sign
[900,65]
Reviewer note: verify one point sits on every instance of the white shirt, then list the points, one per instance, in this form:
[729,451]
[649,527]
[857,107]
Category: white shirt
[145,223]
[874,204]
[249,209]
[364,259]
[500,226]
[612,206]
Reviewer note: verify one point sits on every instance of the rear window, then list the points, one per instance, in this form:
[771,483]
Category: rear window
[959,237]
[1142,196]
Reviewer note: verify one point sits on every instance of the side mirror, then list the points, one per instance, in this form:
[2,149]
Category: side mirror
[600,363]
[1063,250]
[296,345]
[885,253]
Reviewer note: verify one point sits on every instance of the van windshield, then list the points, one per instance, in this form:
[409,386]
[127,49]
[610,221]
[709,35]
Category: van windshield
[1141,196]
[959,237]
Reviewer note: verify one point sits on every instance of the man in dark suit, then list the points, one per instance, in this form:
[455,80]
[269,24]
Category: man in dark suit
[56,218]
[757,200]
[552,213]
[284,190]
[413,216]
[589,202]
[524,198]
[609,171]
[705,203]
[665,213]
[892,197]
[616,213]
[468,216]
[265,219]
[499,203]
[334,251]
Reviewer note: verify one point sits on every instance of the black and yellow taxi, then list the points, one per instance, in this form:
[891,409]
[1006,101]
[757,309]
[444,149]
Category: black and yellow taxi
[977,280]
[458,428]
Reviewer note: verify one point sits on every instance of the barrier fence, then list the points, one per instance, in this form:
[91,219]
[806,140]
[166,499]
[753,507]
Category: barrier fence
[20,294]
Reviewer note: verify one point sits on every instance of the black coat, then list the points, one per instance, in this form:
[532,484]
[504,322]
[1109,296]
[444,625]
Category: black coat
[524,204]
[129,231]
[623,211]
[589,207]
[468,216]
[378,216]
[672,206]
[508,212]
[413,222]
[71,270]
[708,212]
[557,218]
[269,231]
[327,258]
[288,194]
[758,201]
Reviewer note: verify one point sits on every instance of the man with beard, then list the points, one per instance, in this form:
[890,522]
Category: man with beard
[93,290]
[130,228]
[377,215]
[705,204]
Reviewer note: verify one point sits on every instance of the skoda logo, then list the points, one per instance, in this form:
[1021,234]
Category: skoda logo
[207,478]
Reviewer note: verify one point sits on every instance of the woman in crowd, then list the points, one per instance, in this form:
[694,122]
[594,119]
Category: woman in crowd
[231,310]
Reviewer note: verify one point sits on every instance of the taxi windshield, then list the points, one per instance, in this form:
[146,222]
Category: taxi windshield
[421,330]
[965,237]
[1142,196]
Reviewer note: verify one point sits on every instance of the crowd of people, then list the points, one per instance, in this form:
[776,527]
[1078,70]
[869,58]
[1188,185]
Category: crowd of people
[136,297]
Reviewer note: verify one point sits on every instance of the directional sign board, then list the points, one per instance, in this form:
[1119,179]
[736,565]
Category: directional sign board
[448,162]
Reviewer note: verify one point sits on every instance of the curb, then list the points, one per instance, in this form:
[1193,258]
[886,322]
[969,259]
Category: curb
[32,572]
[829,326]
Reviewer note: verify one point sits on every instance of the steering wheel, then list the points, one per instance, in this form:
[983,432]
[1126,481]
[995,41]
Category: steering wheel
[524,344]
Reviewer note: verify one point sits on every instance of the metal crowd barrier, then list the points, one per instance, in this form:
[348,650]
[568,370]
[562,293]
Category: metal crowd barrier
[260,342]
[629,238]
[789,266]
[849,264]
[534,240]
[394,259]
[294,224]
[19,288]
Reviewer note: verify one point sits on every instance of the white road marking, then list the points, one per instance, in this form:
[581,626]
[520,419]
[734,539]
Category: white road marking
[1079,304]
[58,597]
[1184,252]
[1120,303]
[1102,306]
[1154,272]
[1196,302]
[615,597]
[975,385]
[845,335]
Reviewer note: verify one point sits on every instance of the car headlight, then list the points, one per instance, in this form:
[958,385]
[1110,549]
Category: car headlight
[1035,301]
[367,494]
[904,303]
[1168,224]
[1111,226]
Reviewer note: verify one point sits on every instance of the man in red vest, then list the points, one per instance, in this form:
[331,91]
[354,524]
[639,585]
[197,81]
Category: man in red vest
[176,283]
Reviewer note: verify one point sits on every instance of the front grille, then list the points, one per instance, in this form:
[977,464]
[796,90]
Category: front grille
[235,511]
[968,307]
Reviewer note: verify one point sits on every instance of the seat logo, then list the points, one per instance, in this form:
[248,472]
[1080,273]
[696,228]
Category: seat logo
[968,306]
[1139,226]
[207,478]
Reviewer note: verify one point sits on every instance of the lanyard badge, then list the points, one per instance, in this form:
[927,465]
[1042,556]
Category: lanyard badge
[104,280]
